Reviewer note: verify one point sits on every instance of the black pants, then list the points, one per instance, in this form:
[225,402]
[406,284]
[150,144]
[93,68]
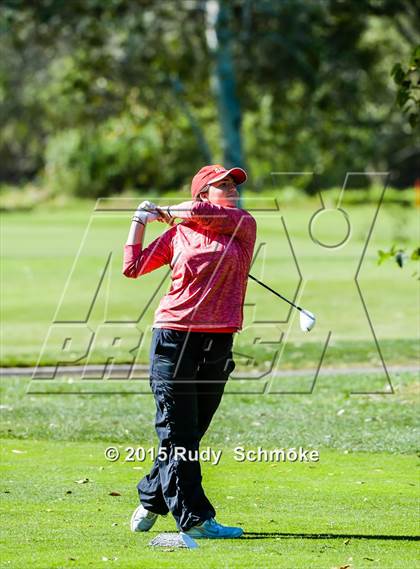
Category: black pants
[188,374]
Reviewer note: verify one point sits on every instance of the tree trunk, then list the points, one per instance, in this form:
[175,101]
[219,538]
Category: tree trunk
[224,83]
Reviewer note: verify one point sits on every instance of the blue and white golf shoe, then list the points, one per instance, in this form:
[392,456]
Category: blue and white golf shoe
[210,529]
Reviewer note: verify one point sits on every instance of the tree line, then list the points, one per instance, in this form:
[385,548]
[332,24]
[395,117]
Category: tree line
[102,96]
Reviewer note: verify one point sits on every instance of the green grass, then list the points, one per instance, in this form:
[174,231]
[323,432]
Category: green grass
[346,510]
[336,511]
[54,522]
[40,247]
[330,417]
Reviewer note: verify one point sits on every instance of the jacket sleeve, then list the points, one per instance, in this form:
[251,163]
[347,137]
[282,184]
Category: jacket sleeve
[138,261]
[228,220]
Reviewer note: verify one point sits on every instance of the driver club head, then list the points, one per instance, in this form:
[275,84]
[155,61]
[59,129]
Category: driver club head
[307,320]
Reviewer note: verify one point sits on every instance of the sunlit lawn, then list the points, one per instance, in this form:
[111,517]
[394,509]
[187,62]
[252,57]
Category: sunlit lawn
[53,260]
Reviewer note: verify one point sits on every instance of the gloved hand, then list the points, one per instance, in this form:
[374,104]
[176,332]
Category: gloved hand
[147,212]
[159,213]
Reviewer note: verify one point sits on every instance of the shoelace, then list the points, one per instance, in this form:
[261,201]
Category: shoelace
[213,524]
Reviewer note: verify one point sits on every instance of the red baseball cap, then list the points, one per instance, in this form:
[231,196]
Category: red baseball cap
[214,173]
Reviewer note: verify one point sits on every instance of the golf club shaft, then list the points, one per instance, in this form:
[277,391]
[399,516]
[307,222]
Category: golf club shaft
[277,294]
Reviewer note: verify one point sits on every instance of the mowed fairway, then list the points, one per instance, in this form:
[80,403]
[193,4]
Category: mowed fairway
[355,508]
[45,280]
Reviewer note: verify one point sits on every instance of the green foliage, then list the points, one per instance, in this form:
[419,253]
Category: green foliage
[415,255]
[329,108]
[400,256]
[408,80]
[313,81]
[124,152]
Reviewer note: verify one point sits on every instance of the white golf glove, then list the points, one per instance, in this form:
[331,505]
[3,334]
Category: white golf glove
[146,212]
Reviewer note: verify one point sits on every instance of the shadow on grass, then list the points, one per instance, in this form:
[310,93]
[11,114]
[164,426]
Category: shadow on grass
[267,534]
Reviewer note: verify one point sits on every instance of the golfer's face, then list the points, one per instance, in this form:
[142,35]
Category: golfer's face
[224,193]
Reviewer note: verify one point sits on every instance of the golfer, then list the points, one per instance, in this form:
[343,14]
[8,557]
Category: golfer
[209,253]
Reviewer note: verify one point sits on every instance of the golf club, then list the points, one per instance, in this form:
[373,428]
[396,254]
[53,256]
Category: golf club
[307,319]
